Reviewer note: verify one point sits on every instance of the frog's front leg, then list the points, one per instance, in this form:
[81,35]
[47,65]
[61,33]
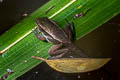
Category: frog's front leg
[57,50]
[42,38]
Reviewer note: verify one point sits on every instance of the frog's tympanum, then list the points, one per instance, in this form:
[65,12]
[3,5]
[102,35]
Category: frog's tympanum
[65,56]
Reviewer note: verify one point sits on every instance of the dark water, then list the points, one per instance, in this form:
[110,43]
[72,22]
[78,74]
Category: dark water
[102,41]
[11,11]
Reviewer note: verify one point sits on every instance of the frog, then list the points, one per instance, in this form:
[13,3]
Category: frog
[62,39]
[65,55]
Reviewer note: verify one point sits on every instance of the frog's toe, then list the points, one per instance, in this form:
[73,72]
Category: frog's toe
[53,57]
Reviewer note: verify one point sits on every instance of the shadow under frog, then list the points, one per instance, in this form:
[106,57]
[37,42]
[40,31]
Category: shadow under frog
[62,39]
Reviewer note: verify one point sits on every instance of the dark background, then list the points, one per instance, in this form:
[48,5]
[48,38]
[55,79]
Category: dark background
[11,11]
[105,40]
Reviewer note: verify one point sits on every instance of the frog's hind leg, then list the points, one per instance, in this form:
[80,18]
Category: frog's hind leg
[56,50]
[70,31]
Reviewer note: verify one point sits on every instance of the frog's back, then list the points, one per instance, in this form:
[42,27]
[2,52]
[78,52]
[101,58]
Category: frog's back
[53,29]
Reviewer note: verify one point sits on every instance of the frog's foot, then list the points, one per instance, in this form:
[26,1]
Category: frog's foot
[38,35]
[58,56]
[70,30]
[56,50]
[53,57]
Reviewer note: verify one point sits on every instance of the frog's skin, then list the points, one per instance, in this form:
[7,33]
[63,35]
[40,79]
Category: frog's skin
[51,31]
[60,38]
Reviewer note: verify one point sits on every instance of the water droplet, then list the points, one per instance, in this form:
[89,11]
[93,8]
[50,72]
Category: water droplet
[25,61]
[78,76]
[9,70]
[36,72]
[25,14]
[38,51]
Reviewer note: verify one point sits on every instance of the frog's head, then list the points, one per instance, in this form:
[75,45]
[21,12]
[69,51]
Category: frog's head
[41,22]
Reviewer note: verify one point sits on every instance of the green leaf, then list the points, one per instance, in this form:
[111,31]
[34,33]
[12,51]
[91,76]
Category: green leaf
[20,43]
